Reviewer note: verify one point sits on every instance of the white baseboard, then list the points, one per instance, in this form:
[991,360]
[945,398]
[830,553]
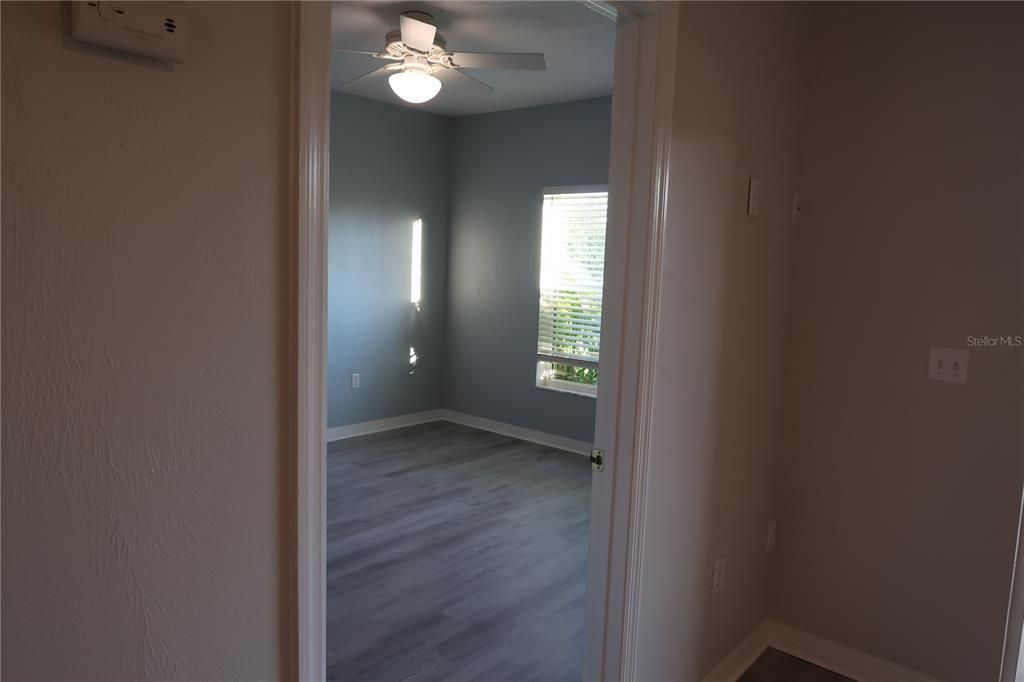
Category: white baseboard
[854,664]
[742,657]
[539,437]
[841,659]
[378,425]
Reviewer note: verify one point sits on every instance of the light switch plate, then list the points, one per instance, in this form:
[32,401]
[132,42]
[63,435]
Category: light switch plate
[948,364]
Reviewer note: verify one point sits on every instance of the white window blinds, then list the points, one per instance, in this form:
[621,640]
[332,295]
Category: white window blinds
[572,276]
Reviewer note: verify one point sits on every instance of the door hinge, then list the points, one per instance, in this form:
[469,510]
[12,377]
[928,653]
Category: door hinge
[597,459]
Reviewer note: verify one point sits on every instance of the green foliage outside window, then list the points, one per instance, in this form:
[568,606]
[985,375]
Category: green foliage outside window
[578,375]
[574,336]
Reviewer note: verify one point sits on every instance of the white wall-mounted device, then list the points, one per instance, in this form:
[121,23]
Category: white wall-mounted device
[152,29]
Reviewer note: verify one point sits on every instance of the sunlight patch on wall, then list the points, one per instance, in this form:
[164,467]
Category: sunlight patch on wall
[416,272]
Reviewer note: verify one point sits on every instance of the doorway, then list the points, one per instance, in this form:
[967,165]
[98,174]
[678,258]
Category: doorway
[636,214]
[464,292]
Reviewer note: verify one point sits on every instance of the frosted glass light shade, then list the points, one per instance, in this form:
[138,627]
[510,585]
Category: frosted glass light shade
[414,87]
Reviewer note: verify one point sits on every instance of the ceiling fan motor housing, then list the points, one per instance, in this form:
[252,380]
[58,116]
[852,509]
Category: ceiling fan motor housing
[415,64]
[393,44]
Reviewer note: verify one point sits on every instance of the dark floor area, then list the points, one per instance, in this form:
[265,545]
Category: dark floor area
[455,554]
[776,666]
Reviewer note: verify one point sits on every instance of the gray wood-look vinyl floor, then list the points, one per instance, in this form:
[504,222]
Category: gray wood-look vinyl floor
[455,554]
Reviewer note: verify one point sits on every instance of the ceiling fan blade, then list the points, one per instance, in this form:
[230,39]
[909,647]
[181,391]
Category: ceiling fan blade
[417,34]
[472,78]
[365,75]
[525,61]
[366,52]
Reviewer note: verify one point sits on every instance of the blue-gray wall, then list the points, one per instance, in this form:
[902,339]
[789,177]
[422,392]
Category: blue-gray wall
[389,166]
[501,163]
[477,183]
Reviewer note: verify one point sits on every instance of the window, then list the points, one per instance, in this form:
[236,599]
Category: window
[571,285]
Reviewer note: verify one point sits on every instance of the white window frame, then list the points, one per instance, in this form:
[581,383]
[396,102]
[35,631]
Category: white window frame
[544,359]
[561,385]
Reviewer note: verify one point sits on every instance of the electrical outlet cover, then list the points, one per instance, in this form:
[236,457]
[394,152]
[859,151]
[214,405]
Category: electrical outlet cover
[718,576]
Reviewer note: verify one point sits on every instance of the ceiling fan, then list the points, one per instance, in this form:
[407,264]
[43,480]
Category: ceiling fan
[417,51]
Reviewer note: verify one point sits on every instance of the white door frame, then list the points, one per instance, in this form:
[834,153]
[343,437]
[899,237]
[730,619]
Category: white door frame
[311,76]
[645,56]
[1014,629]
[638,185]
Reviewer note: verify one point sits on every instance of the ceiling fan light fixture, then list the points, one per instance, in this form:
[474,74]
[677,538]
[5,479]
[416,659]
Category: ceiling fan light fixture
[415,87]
[416,51]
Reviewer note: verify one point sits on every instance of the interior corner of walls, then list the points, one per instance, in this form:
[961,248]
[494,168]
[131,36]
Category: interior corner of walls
[737,661]
[515,431]
[881,157]
[498,158]
[365,133]
[837,657]
[386,424]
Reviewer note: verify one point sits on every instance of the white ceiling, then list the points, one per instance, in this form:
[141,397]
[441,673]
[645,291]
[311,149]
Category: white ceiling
[577,43]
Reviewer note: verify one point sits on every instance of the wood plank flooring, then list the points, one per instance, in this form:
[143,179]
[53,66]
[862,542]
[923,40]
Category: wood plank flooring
[455,554]
[776,666]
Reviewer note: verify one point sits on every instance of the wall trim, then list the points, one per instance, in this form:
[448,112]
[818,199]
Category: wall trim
[306,653]
[379,425]
[540,437]
[1012,631]
[742,657]
[830,655]
[655,97]
[837,657]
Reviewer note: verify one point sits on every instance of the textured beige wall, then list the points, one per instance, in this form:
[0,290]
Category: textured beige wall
[898,497]
[145,318]
[739,95]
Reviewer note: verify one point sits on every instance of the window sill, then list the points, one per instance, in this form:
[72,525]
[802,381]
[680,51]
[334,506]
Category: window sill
[570,388]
